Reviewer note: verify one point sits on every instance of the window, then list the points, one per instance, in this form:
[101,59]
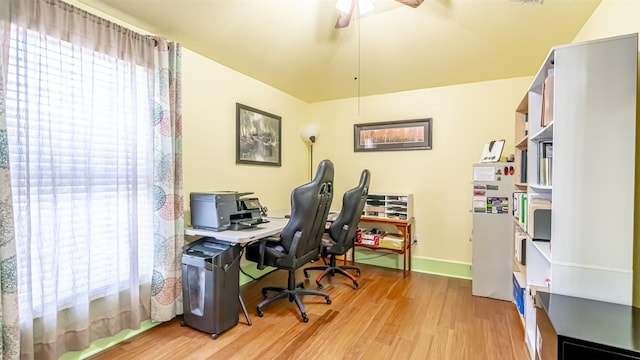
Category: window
[81,157]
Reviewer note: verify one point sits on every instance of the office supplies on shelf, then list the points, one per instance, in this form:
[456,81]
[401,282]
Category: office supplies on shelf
[403,228]
[547,100]
[545,173]
[520,247]
[492,151]
[540,219]
[222,210]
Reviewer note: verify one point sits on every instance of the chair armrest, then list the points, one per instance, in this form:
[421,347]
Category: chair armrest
[262,245]
[271,238]
[295,242]
[343,233]
[262,248]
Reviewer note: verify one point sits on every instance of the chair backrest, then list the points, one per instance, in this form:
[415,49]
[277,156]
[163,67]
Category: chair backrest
[343,229]
[310,205]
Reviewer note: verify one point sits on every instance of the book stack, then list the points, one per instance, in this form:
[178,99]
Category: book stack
[520,211]
[545,173]
[539,222]
[547,100]
[523,165]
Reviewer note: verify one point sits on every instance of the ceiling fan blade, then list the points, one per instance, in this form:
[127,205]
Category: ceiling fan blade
[412,3]
[345,18]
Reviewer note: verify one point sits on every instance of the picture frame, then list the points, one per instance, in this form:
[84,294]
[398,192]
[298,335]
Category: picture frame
[258,137]
[415,134]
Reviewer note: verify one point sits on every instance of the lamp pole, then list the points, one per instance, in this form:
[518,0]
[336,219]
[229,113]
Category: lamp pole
[309,134]
[312,138]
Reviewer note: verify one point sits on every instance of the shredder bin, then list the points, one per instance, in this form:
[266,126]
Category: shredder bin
[210,286]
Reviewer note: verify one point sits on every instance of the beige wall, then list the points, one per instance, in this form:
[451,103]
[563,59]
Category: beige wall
[612,18]
[210,93]
[465,117]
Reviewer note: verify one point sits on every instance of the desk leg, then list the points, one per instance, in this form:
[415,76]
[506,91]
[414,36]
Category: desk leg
[404,263]
[244,310]
[410,232]
[407,245]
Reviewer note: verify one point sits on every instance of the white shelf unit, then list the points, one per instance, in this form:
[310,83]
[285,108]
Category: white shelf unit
[390,205]
[590,254]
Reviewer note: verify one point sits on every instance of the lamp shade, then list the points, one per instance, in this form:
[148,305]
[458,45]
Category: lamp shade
[310,133]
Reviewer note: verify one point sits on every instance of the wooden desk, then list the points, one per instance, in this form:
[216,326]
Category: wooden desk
[405,227]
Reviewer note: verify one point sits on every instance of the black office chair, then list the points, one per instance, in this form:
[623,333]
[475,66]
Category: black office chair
[342,232]
[299,241]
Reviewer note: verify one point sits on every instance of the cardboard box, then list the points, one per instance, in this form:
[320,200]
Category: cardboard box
[391,243]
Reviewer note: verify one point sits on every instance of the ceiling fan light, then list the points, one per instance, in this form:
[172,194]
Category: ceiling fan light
[365,6]
[344,6]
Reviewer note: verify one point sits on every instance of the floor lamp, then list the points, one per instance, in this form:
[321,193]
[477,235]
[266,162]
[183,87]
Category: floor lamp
[309,134]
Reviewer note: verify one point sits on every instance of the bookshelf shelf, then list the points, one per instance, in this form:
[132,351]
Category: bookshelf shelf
[539,187]
[544,247]
[546,133]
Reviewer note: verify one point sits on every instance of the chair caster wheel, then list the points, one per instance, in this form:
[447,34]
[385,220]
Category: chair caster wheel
[358,272]
[328,300]
[264,293]
[260,312]
[320,286]
[356,285]
[305,318]
[214,336]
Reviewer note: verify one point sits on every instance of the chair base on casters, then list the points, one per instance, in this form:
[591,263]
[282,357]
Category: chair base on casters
[294,293]
[332,269]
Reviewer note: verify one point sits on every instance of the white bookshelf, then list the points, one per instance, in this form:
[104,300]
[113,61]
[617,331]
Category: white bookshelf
[590,251]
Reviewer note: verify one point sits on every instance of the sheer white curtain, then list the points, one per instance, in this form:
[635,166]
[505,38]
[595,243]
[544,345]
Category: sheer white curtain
[79,123]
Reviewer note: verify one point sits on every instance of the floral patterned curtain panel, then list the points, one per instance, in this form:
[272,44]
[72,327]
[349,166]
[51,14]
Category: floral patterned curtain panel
[166,288]
[10,341]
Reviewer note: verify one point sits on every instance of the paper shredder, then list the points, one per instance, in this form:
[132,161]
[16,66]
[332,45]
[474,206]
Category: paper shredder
[210,285]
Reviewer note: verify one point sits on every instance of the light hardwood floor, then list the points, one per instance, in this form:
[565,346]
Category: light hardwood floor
[421,316]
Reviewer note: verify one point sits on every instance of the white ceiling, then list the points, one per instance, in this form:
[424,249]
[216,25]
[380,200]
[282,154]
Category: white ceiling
[292,45]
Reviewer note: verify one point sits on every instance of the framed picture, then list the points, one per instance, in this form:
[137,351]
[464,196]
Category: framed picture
[258,137]
[393,135]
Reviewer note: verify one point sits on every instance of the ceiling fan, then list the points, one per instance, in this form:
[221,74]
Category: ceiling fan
[346,8]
